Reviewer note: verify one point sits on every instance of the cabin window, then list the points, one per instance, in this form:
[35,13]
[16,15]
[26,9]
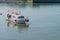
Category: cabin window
[13,16]
[21,17]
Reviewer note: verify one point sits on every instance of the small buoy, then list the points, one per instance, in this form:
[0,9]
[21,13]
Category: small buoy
[0,13]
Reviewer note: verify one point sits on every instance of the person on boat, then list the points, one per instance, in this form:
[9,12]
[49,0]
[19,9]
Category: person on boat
[8,16]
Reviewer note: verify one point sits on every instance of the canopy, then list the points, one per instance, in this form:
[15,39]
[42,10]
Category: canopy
[11,11]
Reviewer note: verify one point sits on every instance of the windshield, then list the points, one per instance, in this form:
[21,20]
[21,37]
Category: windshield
[21,17]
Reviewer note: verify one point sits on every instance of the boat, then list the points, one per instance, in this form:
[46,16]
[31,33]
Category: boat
[15,17]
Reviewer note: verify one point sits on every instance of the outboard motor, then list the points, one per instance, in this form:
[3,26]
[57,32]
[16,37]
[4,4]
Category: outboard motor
[27,20]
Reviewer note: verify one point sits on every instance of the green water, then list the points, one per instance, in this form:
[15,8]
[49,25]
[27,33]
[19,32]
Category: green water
[44,22]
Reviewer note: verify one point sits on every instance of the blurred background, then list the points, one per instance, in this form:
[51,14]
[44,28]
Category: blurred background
[44,21]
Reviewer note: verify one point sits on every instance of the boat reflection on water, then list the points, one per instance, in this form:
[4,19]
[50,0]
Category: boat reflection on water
[19,27]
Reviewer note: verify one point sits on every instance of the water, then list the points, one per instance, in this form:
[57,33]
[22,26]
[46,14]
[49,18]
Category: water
[44,22]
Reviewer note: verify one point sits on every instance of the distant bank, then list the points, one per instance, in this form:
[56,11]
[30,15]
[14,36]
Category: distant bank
[32,1]
[46,1]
